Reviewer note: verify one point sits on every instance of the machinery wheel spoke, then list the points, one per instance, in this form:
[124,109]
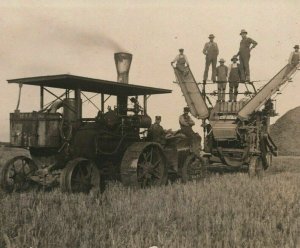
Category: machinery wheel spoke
[80,175]
[143,165]
[145,156]
[156,163]
[30,172]
[15,175]
[156,175]
[151,155]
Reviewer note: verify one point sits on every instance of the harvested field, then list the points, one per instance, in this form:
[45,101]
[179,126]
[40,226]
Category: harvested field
[221,211]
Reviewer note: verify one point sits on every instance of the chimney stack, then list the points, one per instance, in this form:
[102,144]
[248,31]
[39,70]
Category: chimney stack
[123,62]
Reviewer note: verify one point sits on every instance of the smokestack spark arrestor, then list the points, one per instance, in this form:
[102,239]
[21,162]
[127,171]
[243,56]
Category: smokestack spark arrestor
[123,62]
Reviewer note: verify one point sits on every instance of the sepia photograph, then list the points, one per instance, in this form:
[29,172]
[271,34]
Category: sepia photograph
[149,124]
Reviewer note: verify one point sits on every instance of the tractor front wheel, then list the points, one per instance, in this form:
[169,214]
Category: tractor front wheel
[16,174]
[80,176]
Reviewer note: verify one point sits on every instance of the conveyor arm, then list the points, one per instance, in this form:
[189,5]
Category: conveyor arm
[267,91]
[192,94]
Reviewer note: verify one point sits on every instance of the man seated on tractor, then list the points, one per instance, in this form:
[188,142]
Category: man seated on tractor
[156,132]
[186,124]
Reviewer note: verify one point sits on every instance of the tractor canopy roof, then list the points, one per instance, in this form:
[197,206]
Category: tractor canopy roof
[72,82]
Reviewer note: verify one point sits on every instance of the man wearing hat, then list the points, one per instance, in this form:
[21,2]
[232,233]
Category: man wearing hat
[186,123]
[211,52]
[295,56]
[221,73]
[234,78]
[181,60]
[244,54]
[156,132]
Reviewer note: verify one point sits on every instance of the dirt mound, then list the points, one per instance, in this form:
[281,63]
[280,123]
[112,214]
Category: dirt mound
[286,133]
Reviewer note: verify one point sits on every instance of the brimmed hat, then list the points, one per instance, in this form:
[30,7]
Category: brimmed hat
[181,49]
[243,31]
[211,36]
[186,109]
[158,117]
[296,46]
[234,58]
[222,60]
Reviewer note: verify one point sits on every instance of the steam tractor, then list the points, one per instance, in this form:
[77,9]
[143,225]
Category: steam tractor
[58,146]
[236,133]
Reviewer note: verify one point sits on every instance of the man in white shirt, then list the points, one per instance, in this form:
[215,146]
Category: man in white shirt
[235,73]
[181,61]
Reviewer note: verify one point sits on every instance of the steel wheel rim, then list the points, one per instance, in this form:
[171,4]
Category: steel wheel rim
[17,174]
[151,167]
[80,176]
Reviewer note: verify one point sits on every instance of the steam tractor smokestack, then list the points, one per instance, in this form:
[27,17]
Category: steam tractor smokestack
[123,62]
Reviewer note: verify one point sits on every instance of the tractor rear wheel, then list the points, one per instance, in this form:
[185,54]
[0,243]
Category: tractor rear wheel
[80,176]
[16,174]
[256,167]
[144,165]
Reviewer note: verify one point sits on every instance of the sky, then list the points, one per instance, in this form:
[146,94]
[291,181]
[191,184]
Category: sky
[80,37]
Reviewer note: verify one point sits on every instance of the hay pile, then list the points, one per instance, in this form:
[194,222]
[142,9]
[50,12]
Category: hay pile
[285,132]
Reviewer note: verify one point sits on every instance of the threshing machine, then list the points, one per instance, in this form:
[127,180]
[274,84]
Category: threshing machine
[236,133]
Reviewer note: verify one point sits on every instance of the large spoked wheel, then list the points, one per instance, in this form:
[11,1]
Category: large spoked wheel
[192,169]
[16,174]
[151,170]
[80,176]
[144,165]
[256,167]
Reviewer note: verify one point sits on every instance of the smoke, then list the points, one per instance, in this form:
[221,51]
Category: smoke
[68,33]
[41,44]
[88,38]
[44,30]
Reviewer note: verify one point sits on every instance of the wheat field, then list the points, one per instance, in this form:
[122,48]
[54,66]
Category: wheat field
[228,210]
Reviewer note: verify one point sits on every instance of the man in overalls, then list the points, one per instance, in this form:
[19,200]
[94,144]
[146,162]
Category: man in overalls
[211,52]
[234,78]
[244,54]
[181,62]
[295,56]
